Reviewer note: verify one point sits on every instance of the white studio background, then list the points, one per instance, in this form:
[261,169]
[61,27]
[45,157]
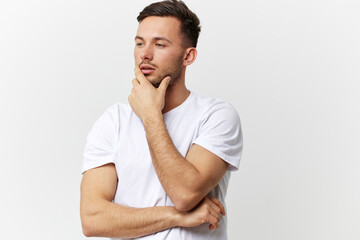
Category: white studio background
[290,68]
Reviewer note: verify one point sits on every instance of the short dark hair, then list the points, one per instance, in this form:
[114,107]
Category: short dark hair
[190,23]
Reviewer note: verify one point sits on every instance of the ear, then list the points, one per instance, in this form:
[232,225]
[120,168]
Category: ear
[190,56]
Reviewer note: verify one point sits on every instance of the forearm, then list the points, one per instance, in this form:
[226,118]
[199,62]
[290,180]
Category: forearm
[108,219]
[178,176]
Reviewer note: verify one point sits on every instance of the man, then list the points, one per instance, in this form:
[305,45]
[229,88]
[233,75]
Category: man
[158,167]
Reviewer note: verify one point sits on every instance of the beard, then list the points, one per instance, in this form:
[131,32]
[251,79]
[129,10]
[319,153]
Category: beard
[173,70]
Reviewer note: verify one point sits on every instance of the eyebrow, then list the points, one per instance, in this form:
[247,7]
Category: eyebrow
[155,38]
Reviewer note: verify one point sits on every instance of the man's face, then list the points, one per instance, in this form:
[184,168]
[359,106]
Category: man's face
[158,49]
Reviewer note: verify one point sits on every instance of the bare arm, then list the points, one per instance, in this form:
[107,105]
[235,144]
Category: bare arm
[101,217]
[186,180]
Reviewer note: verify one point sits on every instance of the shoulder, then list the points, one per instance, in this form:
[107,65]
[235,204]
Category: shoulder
[118,108]
[112,117]
[220,130]
[212,106]
[117,111]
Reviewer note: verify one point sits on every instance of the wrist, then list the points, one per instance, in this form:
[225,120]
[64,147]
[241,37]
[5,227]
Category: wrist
[177,218]
[151,118]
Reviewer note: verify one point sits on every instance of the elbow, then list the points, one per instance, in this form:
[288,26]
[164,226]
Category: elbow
[89,224]
[186,202]
[88,232]
[183,207]
[88,228]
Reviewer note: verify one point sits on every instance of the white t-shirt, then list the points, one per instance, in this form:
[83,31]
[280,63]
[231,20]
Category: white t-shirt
[118,137]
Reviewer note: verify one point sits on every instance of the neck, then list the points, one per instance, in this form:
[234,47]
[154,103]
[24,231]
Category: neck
[175,95]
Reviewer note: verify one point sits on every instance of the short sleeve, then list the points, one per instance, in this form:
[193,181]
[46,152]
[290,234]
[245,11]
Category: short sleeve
[221,134]
[99,148]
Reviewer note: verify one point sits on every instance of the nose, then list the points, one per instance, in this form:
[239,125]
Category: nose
[147,53]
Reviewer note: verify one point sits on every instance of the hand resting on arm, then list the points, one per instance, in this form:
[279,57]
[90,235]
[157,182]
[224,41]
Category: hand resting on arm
[101,217]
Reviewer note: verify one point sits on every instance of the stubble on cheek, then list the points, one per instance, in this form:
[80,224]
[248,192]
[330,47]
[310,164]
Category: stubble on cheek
[174,71]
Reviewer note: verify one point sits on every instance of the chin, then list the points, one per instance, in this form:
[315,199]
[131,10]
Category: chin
[155,82]
[156,85]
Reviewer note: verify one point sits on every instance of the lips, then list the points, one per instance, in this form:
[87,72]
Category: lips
[147,69]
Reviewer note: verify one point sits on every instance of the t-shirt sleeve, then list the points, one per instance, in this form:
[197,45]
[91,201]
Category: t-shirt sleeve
[221,134]
[99,148]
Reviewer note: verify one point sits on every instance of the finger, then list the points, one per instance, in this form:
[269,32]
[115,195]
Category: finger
[218,203]
[135,82]
[140,76]
[213,210]
[213,221]
[164,84]
[214,206]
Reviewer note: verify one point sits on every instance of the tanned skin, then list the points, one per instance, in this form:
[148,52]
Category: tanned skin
[187,180]
[102,218]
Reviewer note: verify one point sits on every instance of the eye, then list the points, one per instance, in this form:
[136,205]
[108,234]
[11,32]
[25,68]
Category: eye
[139,44]
[159,45]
